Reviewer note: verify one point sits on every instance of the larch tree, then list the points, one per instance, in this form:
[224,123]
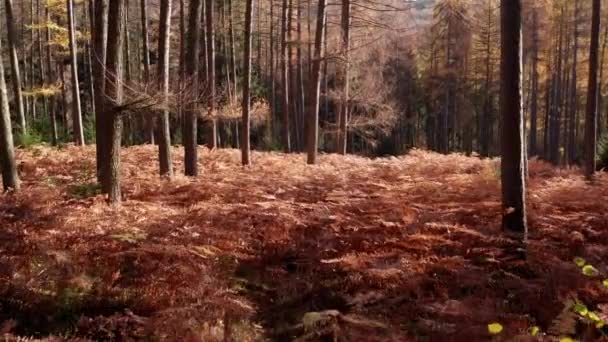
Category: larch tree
[191,70]
[210,31]
[285,79]
[246,105]
[312,141]
[10,178]
[149,121]
[76,109]
[344,79]
[164,134]
[591,109]
[14,60]
[99,37]
[111,117]
[512,143]
[50,79]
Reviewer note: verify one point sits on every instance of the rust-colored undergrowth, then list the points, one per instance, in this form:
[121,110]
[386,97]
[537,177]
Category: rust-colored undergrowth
[388,249]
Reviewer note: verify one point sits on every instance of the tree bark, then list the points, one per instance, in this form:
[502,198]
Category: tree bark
[314,87]
[148,121]
[164,136]
[15,74]
[76,112]
[512,161]
[343,108]
[190,114]
[111,120]
[246,122]
[591,110]
[99,36]
[285,78]
[212,134]
[50,79]
[10,178]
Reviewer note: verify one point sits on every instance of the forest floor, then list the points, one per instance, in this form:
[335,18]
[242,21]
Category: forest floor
[353,249]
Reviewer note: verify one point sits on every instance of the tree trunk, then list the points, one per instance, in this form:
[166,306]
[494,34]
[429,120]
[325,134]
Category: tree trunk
[15,74]
[343,108]
[111,119]
[232,49]
[164,136]
[285,78]
[50,80]
[212,134]
[148,120]
[571,124]
[246,122]
[591,110]
[99,36]
[76,112]
[314,87]
[10,178]
[512,161]
[190,115]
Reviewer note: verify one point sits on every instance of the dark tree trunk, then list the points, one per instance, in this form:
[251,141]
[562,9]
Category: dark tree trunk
[285,79]
[99,37]
[245,135]
[591,110]
[312,140]
[343,108]
[190,115]
[512,145]
[212,133]
[51,79]
[148,120]
[112,121]
[10,178]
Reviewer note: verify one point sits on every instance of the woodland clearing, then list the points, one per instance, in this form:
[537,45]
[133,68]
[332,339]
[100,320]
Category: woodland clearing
[357,249]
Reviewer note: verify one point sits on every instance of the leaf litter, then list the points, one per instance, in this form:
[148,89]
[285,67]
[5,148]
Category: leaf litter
[378,249]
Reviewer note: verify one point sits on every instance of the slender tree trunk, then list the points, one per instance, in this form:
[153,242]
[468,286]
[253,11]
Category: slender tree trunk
[343,108]
[32,62]
[112,121]
[76,112]
[148,120]
[190,115]
[15,74]
[591,110]
[90,48]
[571,124]
[512,161]
[50,79]
[273,91]
[164,136]
[232,49]
[600,103]
[212,136]
[100,34]
[10,178]
[301,109]
[314,87]
[41,64]
[285,78]
[246,122]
